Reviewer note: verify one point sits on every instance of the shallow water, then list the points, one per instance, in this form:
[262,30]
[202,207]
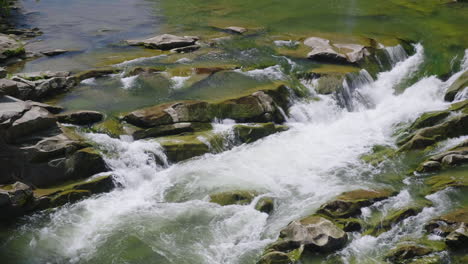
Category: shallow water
[162,213]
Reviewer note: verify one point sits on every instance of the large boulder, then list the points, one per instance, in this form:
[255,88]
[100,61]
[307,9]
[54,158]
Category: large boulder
[165,42]
[316,234]
[458,86]
[10,47]
[261,106]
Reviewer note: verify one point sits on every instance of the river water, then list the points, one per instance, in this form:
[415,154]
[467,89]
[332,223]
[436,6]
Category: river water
[161,214]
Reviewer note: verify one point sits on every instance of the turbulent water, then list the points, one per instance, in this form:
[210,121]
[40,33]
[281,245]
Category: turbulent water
[161,213]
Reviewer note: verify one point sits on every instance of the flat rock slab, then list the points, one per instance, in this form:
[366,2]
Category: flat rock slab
[165,42]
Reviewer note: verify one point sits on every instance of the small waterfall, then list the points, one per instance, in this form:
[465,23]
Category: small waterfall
[396,54]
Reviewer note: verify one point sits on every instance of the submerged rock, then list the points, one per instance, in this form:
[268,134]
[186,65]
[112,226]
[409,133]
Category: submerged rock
[233,197]
[165,42]
[54,52]
[81,117]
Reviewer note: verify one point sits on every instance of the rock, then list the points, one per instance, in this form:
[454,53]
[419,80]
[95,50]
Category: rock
[15,200]
[55,52]
[235,30]
[323,51]
[379,154]
[448,223]
[252,133]
[111,127]
[316,234]
[453,127]
[10,47]
[54,86]
[265,205]
[233,197]
[186,49]
[405,252]
[43,75]
[98,185]
[95,73]
[11,109]
[164,42]
[3,72]
[429,119]
[349,204]
[454,159]
[458,86]
[429,166]
[69,196]
[164,130]
[85,163]
[81,117]
[275,257]
[9,87]
[144,70]
[394,218]
[261,106]
[180,148]
[34,120]
[51,108]
[209,70]
[458,239]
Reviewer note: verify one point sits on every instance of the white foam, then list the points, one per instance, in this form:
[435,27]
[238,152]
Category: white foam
[271,73]
[89,81]
[179,81]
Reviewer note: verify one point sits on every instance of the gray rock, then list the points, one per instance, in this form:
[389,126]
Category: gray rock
[165,42]
[85,163]
[3,72]
[164,130]
[186,49]
[81,117]
[454,159]
[50,148]
[325,51]
[235,30]
[54,86]
[55,52]
[316,233]
[458,239]
[10,47]
[430,166]
[32,76]
[34,120]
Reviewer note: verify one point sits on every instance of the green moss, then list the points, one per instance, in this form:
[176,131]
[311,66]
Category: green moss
[265,205]
[429,119]
[252,133]
[16,52]
[233,197]
[379,154]
[451,178]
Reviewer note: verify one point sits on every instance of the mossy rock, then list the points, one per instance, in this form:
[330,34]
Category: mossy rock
[379,154]
[349,204]
[403,253]
[164,130]
[182,147]
[265,205]
[145,70]
[110,126]
[95,73]
[429,119]
[392,219]
[455,178]
[98,185]
[456,87]
[69,196]
[85,163]
[251,133]
[233,197]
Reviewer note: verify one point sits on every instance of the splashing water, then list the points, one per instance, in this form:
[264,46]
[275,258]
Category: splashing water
[165,211]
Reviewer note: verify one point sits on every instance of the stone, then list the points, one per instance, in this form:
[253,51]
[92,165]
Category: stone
[458,239]
[81,117]
[97,185]
[164,130]
[54,86]
[454,159]
[34,120]
[85,163]
[50,148]
[404,252]
[394,218]
[144,70]
[42,75]
[233,198]
[323,50]
[235,30]
[69,196]
[165,42]
[15,200]
[186,49]
[275,257]
[3,73]
[184,147]
[252,133]
[457,86]
[9,87]
[54,52]
[316,234]
[349,204]
[95,73]
[10,47]
[429,166]
[265,205]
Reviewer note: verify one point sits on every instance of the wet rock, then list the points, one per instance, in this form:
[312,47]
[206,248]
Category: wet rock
[454,159]
[85,163]
[430,119]
[429,166]
[235,30]
[144,70]
[54,86]
[233,197]
[3,72]
[394,218]
[265,205]
[276,257]
[98,185]
[180,148]
[349,204]
[209,70]
[325,51]
[54,52]
[452,226]
[50,148]
[10,47]
[454,127]
[405,252]
[111,127]
[69,196]
[379,154]
[81,117]
[254,132]
[186,49]
[261,106]
[457,87]
[15,200]
[316,234]
[164,130]
[165,42]
[458,239]
[43,75]
[95,73]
